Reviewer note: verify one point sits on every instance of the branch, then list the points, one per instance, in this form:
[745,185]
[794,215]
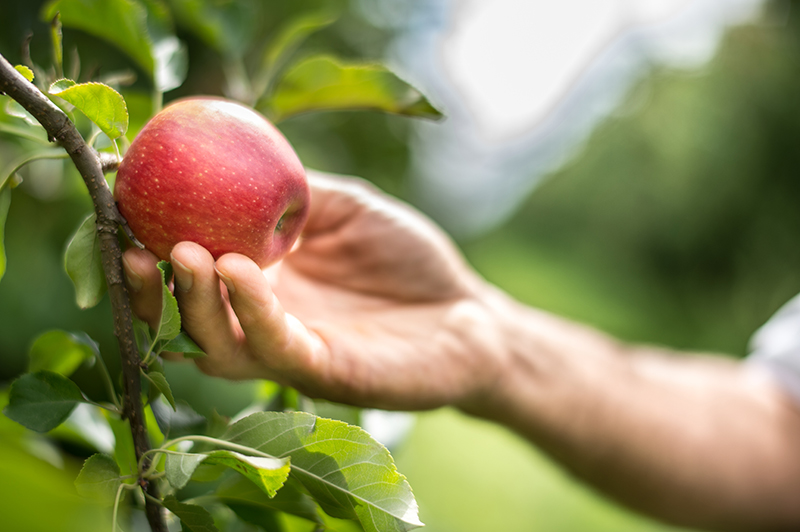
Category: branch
[61,130]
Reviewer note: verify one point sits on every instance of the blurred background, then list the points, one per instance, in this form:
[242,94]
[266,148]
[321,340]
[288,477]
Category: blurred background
[629,164]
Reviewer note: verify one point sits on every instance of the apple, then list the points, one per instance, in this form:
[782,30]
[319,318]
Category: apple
[217,173]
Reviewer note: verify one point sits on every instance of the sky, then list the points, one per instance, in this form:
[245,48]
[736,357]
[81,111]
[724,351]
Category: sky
[523,82]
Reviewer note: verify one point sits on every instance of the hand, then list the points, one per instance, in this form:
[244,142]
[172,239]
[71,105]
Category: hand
[375,307]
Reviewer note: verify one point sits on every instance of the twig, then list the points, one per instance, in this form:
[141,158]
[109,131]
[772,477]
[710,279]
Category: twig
[61,130]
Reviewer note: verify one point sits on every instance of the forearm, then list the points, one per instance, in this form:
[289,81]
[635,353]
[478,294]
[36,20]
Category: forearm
[695,440]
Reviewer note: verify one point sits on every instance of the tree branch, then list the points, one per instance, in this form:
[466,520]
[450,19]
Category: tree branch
[61,130]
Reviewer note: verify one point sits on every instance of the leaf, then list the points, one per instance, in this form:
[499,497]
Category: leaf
[239,491]
[170,324]
[269,474]
[100,103]
[16,110]
[227,27]
[183,344]
[179,422]
[145,35]
[120,22]
[160,381]
[25,71]
[42,401]
[124,452]
[143,338]
[5,203]
[194,518]
[59,352]
[179,468]
[10,170]
[84,265]
[349,474]
[322,83]
[99,479]
[288,38]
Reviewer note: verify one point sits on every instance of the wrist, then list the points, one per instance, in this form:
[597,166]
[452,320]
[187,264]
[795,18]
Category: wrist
[548,366]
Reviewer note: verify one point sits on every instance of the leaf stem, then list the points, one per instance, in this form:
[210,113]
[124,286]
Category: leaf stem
[112,393]
[117,499]
[197,438]
[22,133]
[19,163]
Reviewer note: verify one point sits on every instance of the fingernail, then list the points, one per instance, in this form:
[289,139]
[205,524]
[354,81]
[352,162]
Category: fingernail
[135,283]
[184,277]
[227,280]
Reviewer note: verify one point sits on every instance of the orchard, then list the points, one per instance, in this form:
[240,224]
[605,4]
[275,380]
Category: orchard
[212,170]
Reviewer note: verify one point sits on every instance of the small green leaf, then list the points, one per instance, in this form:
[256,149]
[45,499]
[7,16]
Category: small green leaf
[183,344]
[170,325]
[160,381]
[84,264]
[99,479]
[5,203]
[179,468]
[143,337]
[194,518]
[59,352]
[322,83]
[42,401]
[25,71]
[17,111]
[100,103]
[179,422]
[269,474]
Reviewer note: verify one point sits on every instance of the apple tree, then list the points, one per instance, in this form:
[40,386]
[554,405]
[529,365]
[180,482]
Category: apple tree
[279,468]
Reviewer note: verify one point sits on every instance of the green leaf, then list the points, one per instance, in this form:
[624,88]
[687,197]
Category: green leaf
[42,401]
[100,103]
[226,26]
[84,265]
[124,451]
[5,203]
[183,344]
[99,479]
[239,491]
[170,325]
[287,39]
[160,382]
[269,474]
[194,518]
[9,172]
[25,71]
[143,338]
[16,110]
[60,352]
[179,468]
[322,83]
[179,422]
[120,22]
[349,474]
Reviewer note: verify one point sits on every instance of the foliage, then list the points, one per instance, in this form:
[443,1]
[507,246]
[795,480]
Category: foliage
[333,468]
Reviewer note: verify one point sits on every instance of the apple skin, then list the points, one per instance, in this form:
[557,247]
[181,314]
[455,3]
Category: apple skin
[217,173]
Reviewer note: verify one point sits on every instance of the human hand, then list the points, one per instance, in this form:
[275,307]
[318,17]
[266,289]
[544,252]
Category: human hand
[375,307]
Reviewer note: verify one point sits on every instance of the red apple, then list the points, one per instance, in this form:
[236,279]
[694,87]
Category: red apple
[217,173]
